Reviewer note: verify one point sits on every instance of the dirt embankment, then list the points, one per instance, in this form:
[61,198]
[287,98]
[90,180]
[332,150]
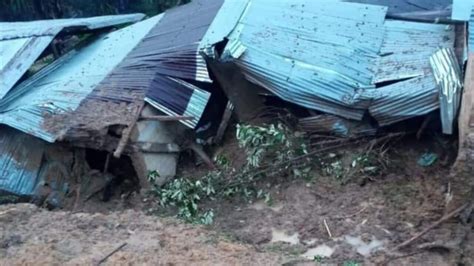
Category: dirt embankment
[33,236]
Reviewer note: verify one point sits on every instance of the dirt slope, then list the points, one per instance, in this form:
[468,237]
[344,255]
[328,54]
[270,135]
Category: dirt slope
[33,236]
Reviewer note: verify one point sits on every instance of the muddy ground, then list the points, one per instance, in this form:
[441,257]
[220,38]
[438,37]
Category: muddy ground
[34,236]
[317,221]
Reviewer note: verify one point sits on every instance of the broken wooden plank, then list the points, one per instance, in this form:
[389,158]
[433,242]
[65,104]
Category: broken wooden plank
[165,118]
[128,131]
[466,114]
[229,109]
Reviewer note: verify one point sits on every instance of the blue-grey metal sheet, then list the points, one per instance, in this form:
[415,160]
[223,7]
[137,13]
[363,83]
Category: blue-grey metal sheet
[404,100]
[407,48]
[462,9]
[21,43]
[169,56]
[14,30]
[398,7]
[21,157]
[330,124]
[63,85]
[318,54]
[30,166]
[471,33]
[447,73]
[183,99]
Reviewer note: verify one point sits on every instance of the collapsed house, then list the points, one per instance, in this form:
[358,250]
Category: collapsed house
[169,83]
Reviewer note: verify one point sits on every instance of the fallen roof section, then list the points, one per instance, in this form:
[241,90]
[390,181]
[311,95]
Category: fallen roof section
[63,85]
[404,100]
[21,43]
[415,9]
[407,47]
[447,73]
[106,82]
[337,57]
[316,54]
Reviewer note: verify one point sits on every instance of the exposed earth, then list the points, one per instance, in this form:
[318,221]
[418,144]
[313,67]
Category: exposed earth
[309,222]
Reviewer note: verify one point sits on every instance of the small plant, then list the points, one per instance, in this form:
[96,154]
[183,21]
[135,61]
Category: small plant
[271,150]
[185,195]
[318,258]
[351,263]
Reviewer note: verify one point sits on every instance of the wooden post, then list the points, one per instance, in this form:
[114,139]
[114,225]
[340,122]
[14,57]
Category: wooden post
[241,93]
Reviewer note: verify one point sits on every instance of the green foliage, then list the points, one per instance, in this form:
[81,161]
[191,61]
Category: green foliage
[17,10]
[351,263]
[185,194]
[271,150]
[318,259]
[344,168]
[275,141]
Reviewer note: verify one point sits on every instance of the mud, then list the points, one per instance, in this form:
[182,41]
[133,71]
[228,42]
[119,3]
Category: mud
[308,221]
[357,222]
[32,236]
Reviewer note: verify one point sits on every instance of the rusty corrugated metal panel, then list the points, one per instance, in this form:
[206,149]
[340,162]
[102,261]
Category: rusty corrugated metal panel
[106,82]
[38,105]
[169,57]
[21,43]
[447,73]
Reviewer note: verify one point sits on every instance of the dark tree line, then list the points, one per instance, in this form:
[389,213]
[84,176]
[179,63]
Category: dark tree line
[24,10]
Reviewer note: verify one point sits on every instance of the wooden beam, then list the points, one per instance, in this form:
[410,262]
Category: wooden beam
[466,114]
[165,118]
[229,109]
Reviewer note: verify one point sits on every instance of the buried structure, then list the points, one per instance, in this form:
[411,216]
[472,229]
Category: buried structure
[169,83]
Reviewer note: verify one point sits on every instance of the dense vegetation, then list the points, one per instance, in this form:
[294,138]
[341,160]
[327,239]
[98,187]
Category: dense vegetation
[24,10]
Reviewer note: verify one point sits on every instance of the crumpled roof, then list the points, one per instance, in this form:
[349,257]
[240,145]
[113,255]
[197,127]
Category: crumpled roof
[21,43]
[318,54]
[106,82]
[416,9]
[63,85]
[335,57]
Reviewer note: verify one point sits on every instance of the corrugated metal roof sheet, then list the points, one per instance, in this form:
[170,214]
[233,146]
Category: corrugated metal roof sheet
[407,47]
[169,58]
[21,43]
[106,82]
[318,54]
[330,124]
[404,100]
[401,7]
[64,84]
[19,163]
[462,9]
[185,99]
[447,73]
[28,165]
[471,33]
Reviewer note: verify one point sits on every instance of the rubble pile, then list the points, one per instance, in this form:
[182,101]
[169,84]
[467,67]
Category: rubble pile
[124,90]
